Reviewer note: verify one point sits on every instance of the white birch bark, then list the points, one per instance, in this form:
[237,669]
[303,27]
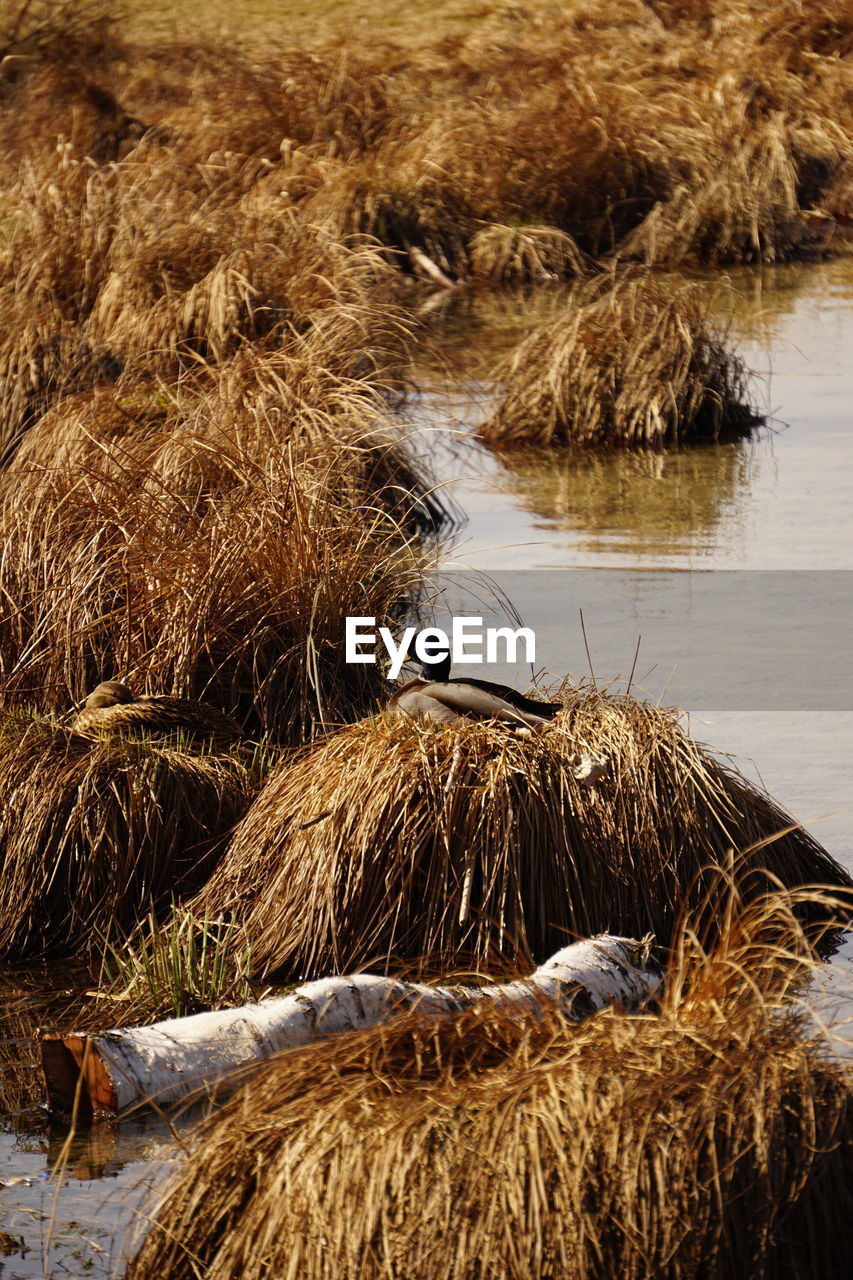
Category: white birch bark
[173,1059]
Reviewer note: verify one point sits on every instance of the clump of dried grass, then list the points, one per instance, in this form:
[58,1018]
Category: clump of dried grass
[155,267]
[93,834]
[749,203]
[667,132]
[401,845]
[822,27]
[712,1138]
[499,253]
[76,32]
[58,107]
[209,435]
[705,138]
[267,93]
[630,365]
[220,578]
[207,537]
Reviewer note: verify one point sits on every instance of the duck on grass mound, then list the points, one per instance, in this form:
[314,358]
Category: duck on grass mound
[93,833]
[710,1139]
[406,845]
[112,709]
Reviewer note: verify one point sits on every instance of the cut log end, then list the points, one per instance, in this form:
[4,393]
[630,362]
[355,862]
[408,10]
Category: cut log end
[75,1077]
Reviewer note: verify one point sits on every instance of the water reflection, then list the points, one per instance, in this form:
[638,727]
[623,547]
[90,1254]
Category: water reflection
[638,504]
[757,301]
[780,500]
[102,1149]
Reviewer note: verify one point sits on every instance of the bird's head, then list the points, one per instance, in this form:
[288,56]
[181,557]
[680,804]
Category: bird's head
[108,694]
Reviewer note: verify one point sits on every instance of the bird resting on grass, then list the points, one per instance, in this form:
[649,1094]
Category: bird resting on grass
[434,696]
[112,709]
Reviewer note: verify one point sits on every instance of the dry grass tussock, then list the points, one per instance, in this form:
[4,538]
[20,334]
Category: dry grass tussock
[400,846]
[711,1138]
[704,142]
[153,267]
[630,364]
[182,565]
[91,834]
[208,435]
[663,132]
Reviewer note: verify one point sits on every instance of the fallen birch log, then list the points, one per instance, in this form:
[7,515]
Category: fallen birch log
[112,1070]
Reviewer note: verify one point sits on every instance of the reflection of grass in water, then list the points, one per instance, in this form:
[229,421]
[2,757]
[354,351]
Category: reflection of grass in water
[20,1084]
[473,331]
[659,501]
[77,1232]
[762,299]
[84,1238]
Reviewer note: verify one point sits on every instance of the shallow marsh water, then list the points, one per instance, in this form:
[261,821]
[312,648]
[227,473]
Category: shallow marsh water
[763,511]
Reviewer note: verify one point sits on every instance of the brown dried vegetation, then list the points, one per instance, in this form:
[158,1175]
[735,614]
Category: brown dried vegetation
[401,846]
[202,250]
[658,131]
[712,1138]
[153,269]
[196,564]
[93,834]
[633,364]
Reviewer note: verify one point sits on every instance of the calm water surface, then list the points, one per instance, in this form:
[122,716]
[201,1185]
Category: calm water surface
[779,502]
